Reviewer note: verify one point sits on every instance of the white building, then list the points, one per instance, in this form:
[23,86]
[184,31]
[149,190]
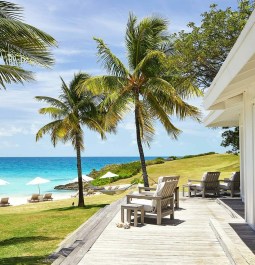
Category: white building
[231,99]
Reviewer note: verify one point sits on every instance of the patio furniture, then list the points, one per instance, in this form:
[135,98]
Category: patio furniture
[112,190]
[189,186]
[208,184]
[4,202]
[47,197]
[231,184]
[34,198]
[132,208]
[158,205]
[146,190]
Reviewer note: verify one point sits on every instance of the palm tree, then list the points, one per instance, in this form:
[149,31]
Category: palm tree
[20,44]
[151,86]
[69,113]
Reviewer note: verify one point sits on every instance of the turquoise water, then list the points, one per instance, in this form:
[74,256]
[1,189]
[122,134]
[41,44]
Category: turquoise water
[59,170]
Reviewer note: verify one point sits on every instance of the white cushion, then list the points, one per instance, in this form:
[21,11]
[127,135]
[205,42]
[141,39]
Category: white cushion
[158,192]
[232,175]
[204,176]
[160,179]
[147,204]
[224,186]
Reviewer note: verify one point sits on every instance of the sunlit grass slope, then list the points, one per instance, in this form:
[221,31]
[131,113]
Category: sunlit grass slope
[193,168]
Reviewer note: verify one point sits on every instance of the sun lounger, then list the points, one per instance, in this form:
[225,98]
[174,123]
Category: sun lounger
[4,202]
[34,198]
[112,190]
[47,197]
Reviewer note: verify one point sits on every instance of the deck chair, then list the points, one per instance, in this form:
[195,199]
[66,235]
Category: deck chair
[208,184]
[4,202]
[146,190]
[47,197]
[112,190]
[34,198]
[231,184]
[160,204]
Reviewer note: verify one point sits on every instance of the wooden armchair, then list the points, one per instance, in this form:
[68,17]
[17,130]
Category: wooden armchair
[232,184]
[208,184]
[150,191]
[159,204]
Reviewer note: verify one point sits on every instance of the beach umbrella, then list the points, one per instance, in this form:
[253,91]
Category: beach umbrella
[3,182]
[84,178]
[38,181]
[109,175]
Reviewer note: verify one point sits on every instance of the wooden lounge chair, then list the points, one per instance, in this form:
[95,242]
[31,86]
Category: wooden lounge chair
[4,202]
[34,198]
[160,204]
[47,197]
[145,190]
[208,184]
[112,190]
[231,184]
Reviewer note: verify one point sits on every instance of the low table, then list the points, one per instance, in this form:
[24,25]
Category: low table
[189,186]
[135,208]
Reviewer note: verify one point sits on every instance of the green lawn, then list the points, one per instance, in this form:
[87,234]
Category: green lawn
[31,232]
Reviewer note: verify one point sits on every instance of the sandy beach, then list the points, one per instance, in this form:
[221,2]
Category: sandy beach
[19,200]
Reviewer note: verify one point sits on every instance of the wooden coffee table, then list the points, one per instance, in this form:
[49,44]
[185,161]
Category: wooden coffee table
[189,186]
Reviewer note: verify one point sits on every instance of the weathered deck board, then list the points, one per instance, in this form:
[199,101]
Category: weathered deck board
[188,239]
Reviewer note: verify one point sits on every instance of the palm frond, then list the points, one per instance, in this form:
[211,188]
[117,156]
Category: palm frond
[52,101]
[10,11]
[22,43]
[109,61]
[160,113]
[13,74]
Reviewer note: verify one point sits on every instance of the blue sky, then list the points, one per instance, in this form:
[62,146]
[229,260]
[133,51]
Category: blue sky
[73,23]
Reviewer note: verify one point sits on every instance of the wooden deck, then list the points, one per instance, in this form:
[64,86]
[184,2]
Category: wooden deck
[189,239]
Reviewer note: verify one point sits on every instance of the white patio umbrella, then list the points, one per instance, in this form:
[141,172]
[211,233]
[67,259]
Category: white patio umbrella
[38,181]
[84,178]
[3,182]
[109,175]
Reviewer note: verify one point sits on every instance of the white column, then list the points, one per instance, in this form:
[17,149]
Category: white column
[241,157]
[249,155]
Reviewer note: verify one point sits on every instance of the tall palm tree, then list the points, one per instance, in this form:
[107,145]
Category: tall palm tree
[150,86]
[20,44]
[69,113]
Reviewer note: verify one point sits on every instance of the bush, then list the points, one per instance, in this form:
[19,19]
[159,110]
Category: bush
[123,170]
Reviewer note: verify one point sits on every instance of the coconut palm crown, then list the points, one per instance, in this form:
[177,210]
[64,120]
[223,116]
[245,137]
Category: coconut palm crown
[69,113]
[20,44]
[148,86]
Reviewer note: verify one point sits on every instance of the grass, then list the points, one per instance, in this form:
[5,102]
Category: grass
[29,233]
[192,168]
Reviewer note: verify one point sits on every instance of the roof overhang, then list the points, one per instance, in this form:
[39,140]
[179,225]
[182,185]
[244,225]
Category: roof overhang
[235,75]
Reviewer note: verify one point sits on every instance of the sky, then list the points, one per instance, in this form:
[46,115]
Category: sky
[74,23]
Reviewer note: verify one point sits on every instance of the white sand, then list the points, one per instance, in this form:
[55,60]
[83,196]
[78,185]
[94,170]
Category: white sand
[18,200]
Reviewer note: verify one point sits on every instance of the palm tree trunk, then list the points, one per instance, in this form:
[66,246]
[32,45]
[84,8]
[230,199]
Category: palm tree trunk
[140,148]
[79,171]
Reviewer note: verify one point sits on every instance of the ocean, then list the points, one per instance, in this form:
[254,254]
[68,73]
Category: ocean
[59,170]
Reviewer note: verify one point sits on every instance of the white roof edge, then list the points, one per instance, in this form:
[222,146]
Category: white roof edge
[216,89]
[213,115]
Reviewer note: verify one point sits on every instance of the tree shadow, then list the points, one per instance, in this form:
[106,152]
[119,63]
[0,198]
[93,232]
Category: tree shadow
[26,260]
[20,240]
[74,208]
